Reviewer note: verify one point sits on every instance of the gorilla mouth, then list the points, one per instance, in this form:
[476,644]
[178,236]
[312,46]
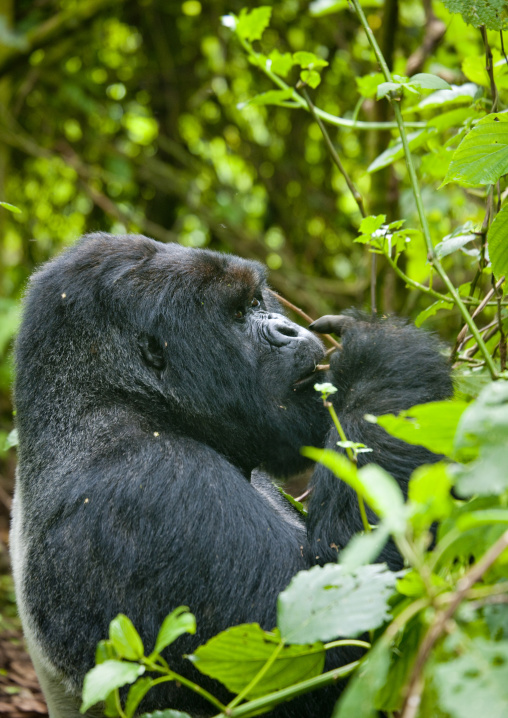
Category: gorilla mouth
[311,376]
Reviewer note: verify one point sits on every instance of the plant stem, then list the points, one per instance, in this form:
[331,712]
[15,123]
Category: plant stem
[326,116]
[172,676]
[361,503]
[412,283]
[347,642]
[433,258]
[259,675]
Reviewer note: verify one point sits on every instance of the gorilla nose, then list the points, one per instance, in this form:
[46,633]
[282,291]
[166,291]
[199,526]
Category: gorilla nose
[281,331]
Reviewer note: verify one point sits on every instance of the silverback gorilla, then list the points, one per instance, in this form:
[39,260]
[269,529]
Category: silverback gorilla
[157,389]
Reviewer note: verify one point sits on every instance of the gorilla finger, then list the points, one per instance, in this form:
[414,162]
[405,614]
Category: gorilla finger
[332,324]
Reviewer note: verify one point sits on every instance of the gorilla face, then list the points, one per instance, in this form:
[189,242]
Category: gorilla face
[191,337]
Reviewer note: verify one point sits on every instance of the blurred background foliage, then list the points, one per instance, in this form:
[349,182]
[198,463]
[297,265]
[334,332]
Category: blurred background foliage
[129,116]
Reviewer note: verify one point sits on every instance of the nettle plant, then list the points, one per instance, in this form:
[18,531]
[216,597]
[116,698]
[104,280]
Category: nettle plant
[438,631]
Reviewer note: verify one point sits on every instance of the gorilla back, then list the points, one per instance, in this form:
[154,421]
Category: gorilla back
[152,380]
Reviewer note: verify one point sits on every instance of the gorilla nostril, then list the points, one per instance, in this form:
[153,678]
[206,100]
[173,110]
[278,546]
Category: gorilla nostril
[287,330]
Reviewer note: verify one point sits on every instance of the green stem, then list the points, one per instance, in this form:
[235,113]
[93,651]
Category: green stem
[259,705]
[326,116]
[172,676]
[346,642]
[361,503]
[433,258]
[118,704]
[412,283]
[259,675]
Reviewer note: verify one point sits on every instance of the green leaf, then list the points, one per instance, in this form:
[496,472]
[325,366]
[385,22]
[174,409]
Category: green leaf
[105,651]
[376,486]
[482,432]
[482,156]
[459,94]
[497,238]
[125,639]
[396,151]
[329,601]
[296,504]
[308,60]
[10,207]
[491,13]
[425,81]
[136,694]
[430,311]
[272,97]
[174,625]
[252,24]
[371,224]
[432,425]
[310,77]
[453,242]
[452,118]
[234,657]
[429,495]
[386,87]
[359,698]
[280,63]
[11,440]
[364,548]
[474,682]
[168,713]
[104,678]
[368,84]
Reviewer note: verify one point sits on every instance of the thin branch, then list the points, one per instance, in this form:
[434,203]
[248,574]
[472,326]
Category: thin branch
[502,335]
[462,334]
[303,315]
[335,155]
[489,66]
[412,700]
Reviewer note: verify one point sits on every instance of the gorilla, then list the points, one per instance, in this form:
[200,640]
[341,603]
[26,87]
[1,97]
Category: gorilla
[158,388]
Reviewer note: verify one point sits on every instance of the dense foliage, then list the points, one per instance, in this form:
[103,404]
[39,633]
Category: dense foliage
[363,158]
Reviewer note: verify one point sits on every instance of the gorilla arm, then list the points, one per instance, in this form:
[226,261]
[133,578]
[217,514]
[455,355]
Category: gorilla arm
[384,366]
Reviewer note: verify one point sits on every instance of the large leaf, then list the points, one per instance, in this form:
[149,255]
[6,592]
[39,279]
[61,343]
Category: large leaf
[396,151]
[432,425]
[429,495]
[431,310]
[498,243]
[236,656]
[329,601]
[482,431]
[364,548]
[491,13]
[104,678]
[482,156]
[458,94]
[475,683]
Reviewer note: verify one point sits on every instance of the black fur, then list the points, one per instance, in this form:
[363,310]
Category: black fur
[144,403]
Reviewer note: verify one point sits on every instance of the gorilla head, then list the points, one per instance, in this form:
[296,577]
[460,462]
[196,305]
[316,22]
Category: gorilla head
[189,339]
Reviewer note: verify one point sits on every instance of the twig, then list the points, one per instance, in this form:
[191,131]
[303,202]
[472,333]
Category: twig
[412,700]
[461,335]
[502,336]
[305,494]
[335,156]
[489,66]
[303,315]
[502,46]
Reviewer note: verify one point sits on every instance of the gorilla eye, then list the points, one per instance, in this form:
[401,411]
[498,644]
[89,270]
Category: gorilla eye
[239,314]
[255,302]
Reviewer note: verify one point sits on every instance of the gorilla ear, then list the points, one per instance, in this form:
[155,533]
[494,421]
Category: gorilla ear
[151,351]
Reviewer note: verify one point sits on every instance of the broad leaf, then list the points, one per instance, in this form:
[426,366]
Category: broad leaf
[364,548]
[329,601]
[168,713]
[498,243]
[280,63]
[453,242]
[307,60]
[491,13]
[236,656]
[425,81]
[458,94]
[311,78]
[371,224]
[429,495]
[431,425]
[475,682]
[125,639]
[10,207]
[272,97]
[482,156]
[104,678]
[396,151]
[174,625]
[136,694]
